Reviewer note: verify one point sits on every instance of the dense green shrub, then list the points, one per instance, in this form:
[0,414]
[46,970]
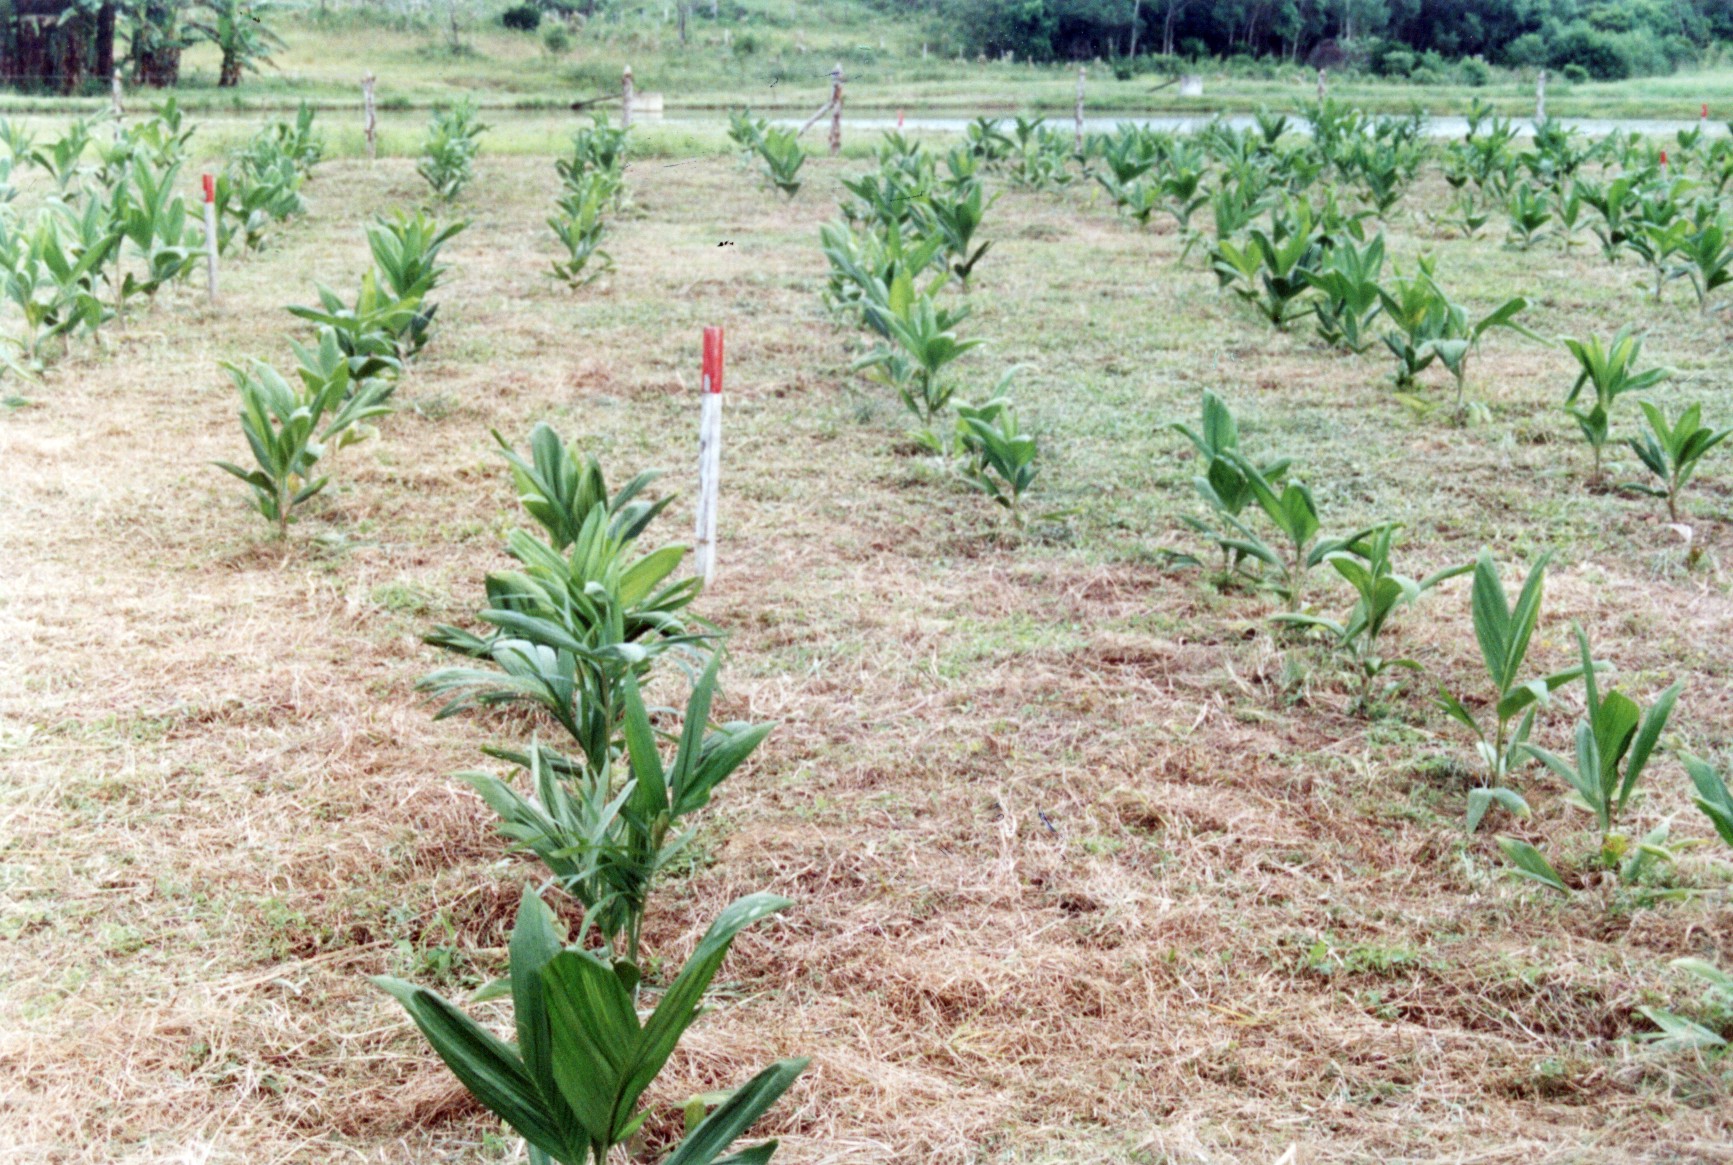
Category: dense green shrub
[522,17]
[1391,61]
[1595,52]
[1525,51]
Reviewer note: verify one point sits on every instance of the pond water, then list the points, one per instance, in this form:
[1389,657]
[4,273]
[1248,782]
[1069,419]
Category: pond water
[1437,127]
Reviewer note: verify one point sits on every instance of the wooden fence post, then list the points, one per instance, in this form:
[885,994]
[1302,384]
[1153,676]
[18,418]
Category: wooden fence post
[1540,96]
[1323,86]
[626,98]
[836,109]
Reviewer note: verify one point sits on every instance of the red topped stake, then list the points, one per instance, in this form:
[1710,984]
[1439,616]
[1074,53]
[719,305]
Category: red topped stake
[713,360]
[210,189]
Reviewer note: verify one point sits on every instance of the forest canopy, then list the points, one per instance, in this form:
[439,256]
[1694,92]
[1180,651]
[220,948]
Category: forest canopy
[1604,39]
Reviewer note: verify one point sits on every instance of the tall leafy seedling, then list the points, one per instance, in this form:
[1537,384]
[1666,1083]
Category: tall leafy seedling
[1609,369]
[1366,565]
[606,833]
[1222,484]
[1294,514]
[1671,451]
[1504,632]
[1614,730]
[289,429]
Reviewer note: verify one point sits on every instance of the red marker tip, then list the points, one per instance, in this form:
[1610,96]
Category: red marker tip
[210,188]
[713,360]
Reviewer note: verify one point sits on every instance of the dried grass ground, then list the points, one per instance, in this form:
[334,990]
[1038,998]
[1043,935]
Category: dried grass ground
[1087,868]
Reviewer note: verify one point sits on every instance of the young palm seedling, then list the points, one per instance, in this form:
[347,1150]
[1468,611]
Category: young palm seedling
[1221,484]
[1680,1033]
[925,344]
[579,228]
[1529,214]
[598,157]
[955,220]
[54,285]
[406,252]
[1713,797]
[1608,368]
[155,221]
[561,488]
[378,325]
[1270,270]
[1662,230]
[1614,729]
[1616,203]
[746,132]
[448,152]
[1295,516]
[1568,209]
[569,629]
[1434,326]
[1672,452]
[1347,281]
[783,157]
[1503,632]
[1366,564]
[606,834]
[1708,259]
[1417,311]
[61,157]
[998,457]
[290,429]
[571,1083]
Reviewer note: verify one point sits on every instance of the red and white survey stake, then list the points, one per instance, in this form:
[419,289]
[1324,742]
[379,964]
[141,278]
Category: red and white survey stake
[211,235]
[709,454]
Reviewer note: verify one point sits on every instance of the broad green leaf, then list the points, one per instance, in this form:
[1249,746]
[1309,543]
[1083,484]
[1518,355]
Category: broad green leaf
[734,1116]
[1530,864]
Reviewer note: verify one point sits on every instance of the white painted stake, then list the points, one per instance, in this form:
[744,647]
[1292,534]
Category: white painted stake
[1540,97]
[709,455]
[211,236]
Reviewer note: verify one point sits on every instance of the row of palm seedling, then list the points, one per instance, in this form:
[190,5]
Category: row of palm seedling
[345,374]
[116,229]
[592,180]
[1238,172]
[581,626]
[1265,525]
[1307,261]
[907,233]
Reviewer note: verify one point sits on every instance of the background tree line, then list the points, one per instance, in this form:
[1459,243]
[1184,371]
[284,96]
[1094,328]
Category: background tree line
[1602,39]
[144,38]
